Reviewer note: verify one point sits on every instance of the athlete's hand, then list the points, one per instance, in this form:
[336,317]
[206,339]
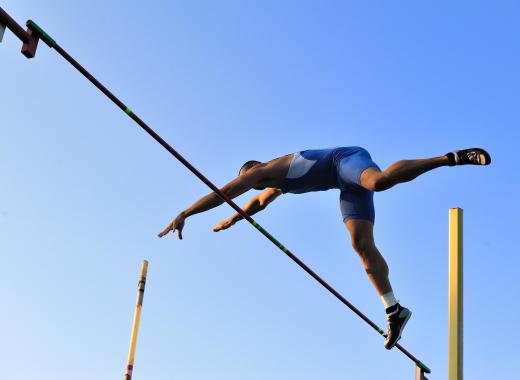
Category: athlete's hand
[176,225]
[224,225]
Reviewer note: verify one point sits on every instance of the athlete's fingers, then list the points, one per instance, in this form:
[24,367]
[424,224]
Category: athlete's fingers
[179,230]
[220,226]
[229,223]
[166,230]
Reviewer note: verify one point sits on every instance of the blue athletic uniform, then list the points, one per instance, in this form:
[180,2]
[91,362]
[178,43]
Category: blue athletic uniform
[334,168]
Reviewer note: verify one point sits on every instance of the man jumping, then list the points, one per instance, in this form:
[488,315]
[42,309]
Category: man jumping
[352,171]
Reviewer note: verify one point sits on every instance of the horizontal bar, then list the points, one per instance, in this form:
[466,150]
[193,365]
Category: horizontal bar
[198,174]
[226,199]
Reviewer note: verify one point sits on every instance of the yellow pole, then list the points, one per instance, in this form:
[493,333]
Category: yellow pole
[137,320]
[455,295]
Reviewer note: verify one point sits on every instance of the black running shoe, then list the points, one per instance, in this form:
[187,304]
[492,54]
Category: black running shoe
[472,156]
[397,317]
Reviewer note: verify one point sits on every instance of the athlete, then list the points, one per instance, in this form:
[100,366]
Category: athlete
[352,171]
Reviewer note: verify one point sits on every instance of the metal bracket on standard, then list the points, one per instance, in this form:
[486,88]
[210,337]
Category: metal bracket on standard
[29,47]
[2,30]
[419,374]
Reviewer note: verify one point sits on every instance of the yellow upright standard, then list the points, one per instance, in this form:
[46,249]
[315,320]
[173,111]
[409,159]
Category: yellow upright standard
[455,296]
[137,320]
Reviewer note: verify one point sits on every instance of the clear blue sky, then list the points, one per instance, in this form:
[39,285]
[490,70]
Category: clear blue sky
[85,191]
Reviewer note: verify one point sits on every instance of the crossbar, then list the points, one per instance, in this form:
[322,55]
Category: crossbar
[52,43]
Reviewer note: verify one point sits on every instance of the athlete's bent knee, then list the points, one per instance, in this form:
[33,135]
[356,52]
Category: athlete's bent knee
[377,183]
[382,183]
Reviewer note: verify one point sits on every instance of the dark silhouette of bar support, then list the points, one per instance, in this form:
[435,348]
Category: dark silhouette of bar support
[29,38]
[13,26]
[34,32]
[2,30]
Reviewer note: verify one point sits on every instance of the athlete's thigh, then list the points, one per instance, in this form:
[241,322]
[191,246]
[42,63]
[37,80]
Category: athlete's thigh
[360,229]
[357,203]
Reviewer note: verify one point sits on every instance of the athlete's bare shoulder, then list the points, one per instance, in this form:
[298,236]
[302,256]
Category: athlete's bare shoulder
[276,169]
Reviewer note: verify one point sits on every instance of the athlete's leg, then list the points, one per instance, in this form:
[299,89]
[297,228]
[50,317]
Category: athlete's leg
[397,316]
[374,179]
[362,235]
[357,209]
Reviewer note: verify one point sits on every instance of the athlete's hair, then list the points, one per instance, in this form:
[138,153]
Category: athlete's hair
[248,165]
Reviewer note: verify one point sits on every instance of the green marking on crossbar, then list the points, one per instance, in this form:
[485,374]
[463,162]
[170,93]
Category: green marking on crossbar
[270,237]
[42,34]
[129,112]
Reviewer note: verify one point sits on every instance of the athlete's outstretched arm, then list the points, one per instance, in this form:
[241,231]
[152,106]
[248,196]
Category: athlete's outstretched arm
[233,189]
[256,204]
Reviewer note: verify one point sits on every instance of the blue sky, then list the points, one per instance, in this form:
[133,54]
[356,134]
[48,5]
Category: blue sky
[85,191]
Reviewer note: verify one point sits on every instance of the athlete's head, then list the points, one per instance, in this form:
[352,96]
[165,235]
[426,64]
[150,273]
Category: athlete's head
[246,167]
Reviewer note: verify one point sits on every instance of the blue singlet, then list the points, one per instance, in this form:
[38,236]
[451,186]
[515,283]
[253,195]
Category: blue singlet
[334,168]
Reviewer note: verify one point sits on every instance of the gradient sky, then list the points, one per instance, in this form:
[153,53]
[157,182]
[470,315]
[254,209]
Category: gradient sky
[85,191]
